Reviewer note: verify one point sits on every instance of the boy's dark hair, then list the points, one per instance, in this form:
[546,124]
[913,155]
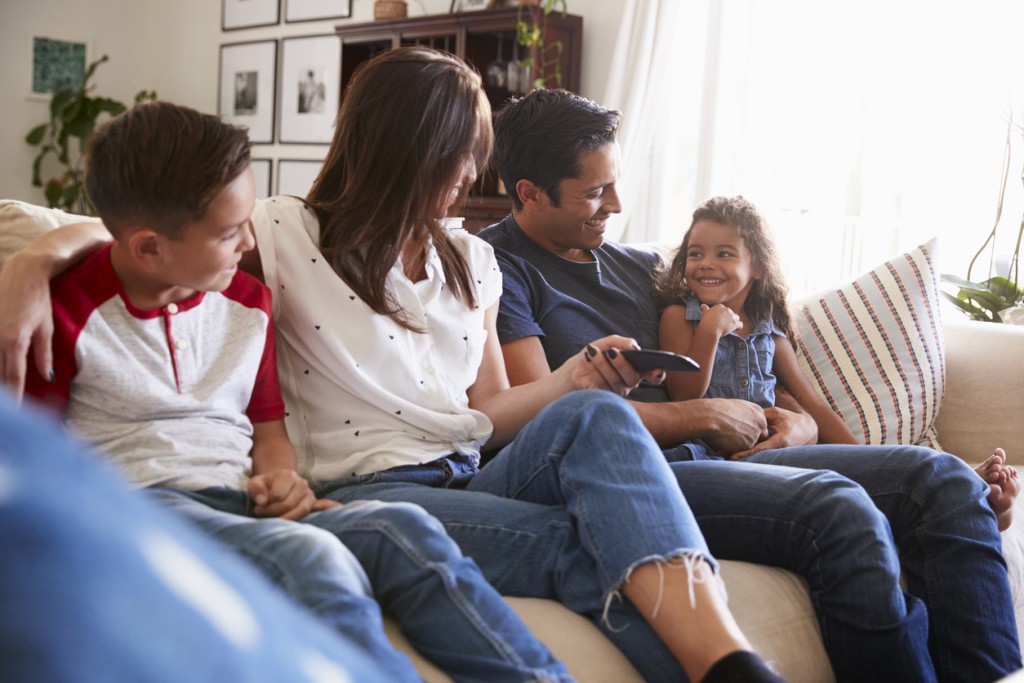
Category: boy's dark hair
[768,297]
[161,165]
[539,137]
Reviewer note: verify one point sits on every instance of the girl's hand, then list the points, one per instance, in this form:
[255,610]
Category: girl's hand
[720,318]
[600,366]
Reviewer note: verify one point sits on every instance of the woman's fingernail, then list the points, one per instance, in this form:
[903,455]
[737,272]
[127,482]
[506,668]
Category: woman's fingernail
[591,351]
[636,346]
[51,376]
[613,354]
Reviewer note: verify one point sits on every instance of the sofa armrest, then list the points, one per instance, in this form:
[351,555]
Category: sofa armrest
[984,399]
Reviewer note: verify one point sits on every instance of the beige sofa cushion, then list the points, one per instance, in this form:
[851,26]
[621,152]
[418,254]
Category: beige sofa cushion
[21,222]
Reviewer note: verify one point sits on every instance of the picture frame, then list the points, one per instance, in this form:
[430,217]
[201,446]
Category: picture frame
[470,5]
[237,14]
[247,87]
[57,62]
[263,174]
[295,176]
[310,88]
[312,10]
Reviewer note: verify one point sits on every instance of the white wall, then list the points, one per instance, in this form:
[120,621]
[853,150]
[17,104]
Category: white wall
[173,47]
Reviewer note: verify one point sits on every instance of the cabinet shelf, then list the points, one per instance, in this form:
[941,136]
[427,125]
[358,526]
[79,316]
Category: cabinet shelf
[478,38]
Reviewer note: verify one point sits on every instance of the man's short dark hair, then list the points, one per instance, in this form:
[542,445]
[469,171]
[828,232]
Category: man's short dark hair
[161,165]
[539,137]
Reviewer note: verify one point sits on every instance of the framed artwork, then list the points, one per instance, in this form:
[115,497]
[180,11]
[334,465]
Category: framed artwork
[309,94]
[57,63]
[246,87]
[262,173]
[296,176]
[311,10]
[473,5]
[237,14]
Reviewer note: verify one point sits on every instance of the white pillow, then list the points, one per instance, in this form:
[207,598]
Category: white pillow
[874,350]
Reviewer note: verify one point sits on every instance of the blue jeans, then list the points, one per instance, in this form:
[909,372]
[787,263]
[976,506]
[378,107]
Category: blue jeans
[936,524]
[933,508]
[99,584]
[584,493]
[442,602]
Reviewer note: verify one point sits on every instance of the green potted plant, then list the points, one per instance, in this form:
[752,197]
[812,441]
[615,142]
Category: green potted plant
[530,34]
[995,298]
[73,116]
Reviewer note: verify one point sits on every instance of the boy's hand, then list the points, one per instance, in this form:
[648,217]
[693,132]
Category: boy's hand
[283,493]
[720,318]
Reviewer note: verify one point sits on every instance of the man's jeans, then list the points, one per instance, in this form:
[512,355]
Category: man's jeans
[442,602]
[584,494]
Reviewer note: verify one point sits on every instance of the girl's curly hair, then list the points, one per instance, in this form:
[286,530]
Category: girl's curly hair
[768,295]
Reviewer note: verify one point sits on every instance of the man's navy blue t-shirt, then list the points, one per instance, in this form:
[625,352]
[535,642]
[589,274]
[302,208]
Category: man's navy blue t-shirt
[569,304]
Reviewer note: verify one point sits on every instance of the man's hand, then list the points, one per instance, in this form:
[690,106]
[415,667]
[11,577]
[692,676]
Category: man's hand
[731,425]
[26,318]
[785,429]
[284,494]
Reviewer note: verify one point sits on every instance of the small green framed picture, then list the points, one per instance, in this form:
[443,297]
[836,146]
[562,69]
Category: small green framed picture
[57,63]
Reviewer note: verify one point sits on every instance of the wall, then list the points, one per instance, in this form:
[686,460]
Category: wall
[174,47]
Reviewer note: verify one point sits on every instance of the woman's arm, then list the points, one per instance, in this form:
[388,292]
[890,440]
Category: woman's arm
[26,317]
[831,428]
[597,366]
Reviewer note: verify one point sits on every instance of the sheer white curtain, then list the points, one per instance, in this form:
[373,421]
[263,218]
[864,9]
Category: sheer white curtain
[860,128]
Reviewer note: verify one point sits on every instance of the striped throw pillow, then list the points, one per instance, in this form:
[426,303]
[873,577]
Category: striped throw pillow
[874,350]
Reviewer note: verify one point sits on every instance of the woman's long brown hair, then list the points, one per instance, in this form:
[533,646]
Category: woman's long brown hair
[410,118]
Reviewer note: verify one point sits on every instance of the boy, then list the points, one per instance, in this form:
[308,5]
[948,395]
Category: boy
[164,361]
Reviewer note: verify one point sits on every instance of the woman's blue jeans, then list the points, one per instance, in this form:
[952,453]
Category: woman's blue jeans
[584,494]
[392,554]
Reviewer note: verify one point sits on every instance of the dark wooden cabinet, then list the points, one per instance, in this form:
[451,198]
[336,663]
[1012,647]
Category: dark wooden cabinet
[481,38]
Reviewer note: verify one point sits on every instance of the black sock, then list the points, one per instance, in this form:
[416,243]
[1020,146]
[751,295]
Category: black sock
[741,667]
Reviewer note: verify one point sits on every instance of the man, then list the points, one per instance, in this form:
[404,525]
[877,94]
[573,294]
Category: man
[564,284]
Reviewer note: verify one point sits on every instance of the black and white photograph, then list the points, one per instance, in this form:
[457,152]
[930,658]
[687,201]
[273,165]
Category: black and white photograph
[246,89]
[312,10]
[311,93]
[236,14]
[295,176]
[310,88]
[247,81]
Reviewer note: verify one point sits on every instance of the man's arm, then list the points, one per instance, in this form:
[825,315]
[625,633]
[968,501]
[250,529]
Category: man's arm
[26,318]
[728,426]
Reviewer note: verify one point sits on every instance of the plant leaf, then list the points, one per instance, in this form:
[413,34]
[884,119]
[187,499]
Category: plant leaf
[35,136]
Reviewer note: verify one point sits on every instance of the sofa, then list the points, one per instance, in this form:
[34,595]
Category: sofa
[960,382]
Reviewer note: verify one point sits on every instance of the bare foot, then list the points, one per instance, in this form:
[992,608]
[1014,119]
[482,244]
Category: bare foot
[1004,485]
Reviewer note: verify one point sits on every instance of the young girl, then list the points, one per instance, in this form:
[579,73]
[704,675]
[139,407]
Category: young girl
[724,305]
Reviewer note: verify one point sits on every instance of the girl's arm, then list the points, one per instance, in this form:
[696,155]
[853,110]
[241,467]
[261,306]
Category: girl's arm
[510,408]
[676,334]
[26,317]
[831,427]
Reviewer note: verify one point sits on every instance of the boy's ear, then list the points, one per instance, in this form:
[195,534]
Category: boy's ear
[144,246]
[532,195]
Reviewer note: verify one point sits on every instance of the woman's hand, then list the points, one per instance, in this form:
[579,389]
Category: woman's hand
[599,365]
